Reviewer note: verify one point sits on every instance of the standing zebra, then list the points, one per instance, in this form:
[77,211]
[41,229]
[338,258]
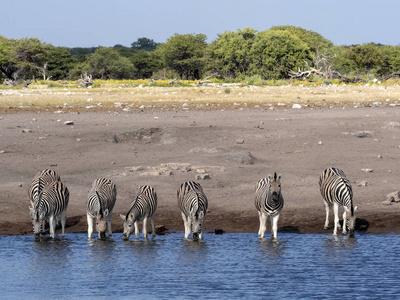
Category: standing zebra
[99,205]
[143,206]
[39,181]
[53,200]
[336,190]
[269,202]
[193,204]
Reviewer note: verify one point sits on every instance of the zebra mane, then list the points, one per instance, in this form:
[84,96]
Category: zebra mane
[98,198]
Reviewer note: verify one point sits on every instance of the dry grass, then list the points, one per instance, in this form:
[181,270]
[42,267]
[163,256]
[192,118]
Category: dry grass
[38,97]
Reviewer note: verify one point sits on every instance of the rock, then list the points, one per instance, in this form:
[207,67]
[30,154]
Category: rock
[239,141]
[363,183]
[200,171]
[202,176]
[363,134]
[367,170]
[320,143]
[69,123]
[296,106]
[218,231]
[242,157]
[79,140]
[393,197]
[26,131]
[387,202]
[150,173]
[160,229]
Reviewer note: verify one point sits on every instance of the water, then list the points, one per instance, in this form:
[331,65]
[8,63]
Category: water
[298,266]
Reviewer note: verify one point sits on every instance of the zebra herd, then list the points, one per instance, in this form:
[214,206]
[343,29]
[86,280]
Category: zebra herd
[49,198]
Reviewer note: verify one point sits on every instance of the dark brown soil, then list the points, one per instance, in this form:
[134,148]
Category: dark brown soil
[299,144]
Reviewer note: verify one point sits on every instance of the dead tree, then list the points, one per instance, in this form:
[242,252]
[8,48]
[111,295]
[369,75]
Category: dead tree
[174,81]
[85,81]
[206,79]
[394,74]
[327,73]
[22,83]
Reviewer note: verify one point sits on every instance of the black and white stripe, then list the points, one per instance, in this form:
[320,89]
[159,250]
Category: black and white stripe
[269,202]
[336,190]
[39,181]
[143,207]
[53,201]
[193,204]
[99,205]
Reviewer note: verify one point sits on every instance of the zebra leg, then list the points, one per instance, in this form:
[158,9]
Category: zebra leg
[186,224]
[137,229]
[274,225]
[260,219]
[90,226]
[336,213]
[344,222]
[63,219]
[52,223]
[153,231]
[263,224]
[109,221]
[144,229]
[326,226]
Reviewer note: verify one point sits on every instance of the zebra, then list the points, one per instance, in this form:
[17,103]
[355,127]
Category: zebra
[336,190]
[143,206]
[99,205]
[269,202]
[193,204]
[39,181]
[53,200]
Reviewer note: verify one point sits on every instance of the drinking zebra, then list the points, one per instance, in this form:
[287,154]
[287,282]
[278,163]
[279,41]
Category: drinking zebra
[99,205]
[53,200]
[269,202]
[39,181]
[143,206]
[336,190]
[193,204]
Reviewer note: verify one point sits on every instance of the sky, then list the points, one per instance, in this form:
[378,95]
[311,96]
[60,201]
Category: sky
[92,23]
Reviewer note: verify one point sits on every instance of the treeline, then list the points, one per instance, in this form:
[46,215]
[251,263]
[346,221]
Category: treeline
[280,52]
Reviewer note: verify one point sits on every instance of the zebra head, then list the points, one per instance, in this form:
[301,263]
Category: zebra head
[101,223]
[275,186]
[128,225]
[196,221]
[351,218]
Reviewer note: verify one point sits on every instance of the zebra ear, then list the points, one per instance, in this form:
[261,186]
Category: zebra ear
[31,212]
[105,213]
[201,214]
[279,176]
[123,217]
[356,208]
[269,176]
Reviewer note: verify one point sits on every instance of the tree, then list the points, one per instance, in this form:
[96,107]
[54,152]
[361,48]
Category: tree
[59,63]
[359,59]
[144,44]
[312,39]
[7,58]
[31,56]
[146,63]
[107,63]
[275,53]
[184,53]
[228,55]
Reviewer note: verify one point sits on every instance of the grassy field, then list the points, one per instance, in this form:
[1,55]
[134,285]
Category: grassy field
[128,95]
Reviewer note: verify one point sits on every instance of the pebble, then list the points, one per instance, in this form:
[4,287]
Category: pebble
[69,123]
[367,170]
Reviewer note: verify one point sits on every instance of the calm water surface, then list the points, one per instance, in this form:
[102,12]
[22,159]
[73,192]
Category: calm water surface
[298,266]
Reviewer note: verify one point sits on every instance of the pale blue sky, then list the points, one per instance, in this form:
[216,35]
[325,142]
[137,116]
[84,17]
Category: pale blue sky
[87,23]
